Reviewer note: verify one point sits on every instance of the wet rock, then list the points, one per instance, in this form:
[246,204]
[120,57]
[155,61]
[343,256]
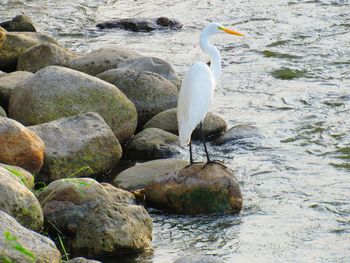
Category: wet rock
[238,132]
[42,55]
[152,143]
[2,36]
[82,260]
[26,177]
[101,60]
[55,92]
[112,229]
[152,64]
[142,25]
[197,189]
[39,248]
[76,142]
[2,112]
[167,121]
[9,82]
[198,259]
[20,146]
[16,43]
[150,92]
[143,174]
[18,201]
[20,23]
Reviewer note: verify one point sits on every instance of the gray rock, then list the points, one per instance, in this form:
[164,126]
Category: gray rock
[238,132]
[16,43]
[150,92]
[20,23]
[14,239]
[167,121]
[197,189]
[198,259]
[76,142]
[119,195]
[42,55]
[82,260]
[18,201]
[143,174]
[9,82]
[26,177]
[2,112]
[152,143]
[55,92]
[152,64]
[112,229]
[101,60]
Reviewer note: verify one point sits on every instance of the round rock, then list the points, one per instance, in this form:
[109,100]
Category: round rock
[2,112]
[20,23]
[238,132]
[197,189]
[26,177]
[55,92]
[150,92]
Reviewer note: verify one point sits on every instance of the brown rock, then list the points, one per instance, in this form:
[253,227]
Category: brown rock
[20,146]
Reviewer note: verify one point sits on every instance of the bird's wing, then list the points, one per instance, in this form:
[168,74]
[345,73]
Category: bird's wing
[194,99]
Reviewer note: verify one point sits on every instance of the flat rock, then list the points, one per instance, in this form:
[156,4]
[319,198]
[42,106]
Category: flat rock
[26,177]
[20,23]
[20,146]
[150,92]
[55,92]
[16,43]
[101,60]
[238,132]
[152,143]
[75,142]
[142,24]
[18,201]
[42,55]
[111,229]
[38,248]
[167,121]
[197,189]
[152,64]
[9,82]
[143,174]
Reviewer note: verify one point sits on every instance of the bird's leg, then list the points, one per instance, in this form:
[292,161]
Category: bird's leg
[205,146]
[191,158]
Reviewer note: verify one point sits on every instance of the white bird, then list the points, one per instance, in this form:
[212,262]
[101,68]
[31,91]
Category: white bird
[197,89]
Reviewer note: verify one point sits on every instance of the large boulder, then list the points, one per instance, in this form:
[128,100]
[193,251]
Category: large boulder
[16,43]
[42,55]
[20,23]
[152,143]
[197,189]
[26,177]
[152,64]
[20,146]
[55,92]
[101,60]
[112,229]
[143,174]
[167,121]
[9,82]
[150,92]
[66,202]
[18,201]
[75,142]
[21,245]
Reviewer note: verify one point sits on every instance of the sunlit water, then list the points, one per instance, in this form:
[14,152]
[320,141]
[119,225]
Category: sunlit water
[296,180]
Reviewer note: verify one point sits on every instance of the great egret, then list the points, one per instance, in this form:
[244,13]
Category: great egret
[197,88]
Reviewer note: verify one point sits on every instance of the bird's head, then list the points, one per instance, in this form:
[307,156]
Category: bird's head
[217,28]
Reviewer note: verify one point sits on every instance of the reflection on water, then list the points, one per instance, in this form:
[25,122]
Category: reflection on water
[296,179]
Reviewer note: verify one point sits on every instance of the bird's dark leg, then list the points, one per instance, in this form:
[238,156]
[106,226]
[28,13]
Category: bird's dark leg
[205,146]
[191,158]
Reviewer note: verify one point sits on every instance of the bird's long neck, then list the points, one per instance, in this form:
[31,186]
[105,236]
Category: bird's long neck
[215,63]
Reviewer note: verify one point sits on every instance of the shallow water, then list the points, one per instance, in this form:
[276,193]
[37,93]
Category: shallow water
[296,180]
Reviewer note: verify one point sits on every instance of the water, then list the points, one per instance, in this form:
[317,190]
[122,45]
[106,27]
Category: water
[296,180]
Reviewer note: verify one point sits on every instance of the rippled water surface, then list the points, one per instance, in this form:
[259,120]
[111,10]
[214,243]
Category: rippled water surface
[296,180]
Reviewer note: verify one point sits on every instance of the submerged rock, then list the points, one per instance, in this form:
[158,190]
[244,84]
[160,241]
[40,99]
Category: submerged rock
[198,259]
[73,143]
[152,143]
[18,201]
[238,132]
[150,92]
[142,25]
[143,174]
[18,244]
[55,92]
[197,189]
[20,146]
[20,23]
[101,60]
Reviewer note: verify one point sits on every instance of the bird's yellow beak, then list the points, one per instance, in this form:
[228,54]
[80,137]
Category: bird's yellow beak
[231,31]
